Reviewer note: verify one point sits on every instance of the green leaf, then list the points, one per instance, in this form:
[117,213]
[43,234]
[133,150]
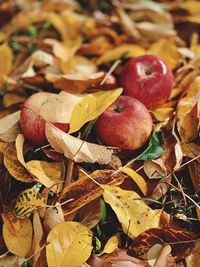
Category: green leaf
[88,128]
[24,264]
[32,31]
[103,210]
[96,244]
[155,148]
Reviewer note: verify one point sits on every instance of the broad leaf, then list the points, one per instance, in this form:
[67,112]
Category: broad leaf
[91,106]
[155,148]
[17,234]
[64,241]
[132,212]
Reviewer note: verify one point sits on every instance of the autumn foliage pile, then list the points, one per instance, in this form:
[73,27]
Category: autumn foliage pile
[69,195]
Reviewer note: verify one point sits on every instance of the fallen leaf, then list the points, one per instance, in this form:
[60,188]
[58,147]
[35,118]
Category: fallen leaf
[193,259]
[91,106]
[52,217]
[27,202]
[110,246]
[176,237]
[153,254]
[154,149]
[14,166]
[63,242]
[119,258]
[167,51]
[89,215]
[194,170]
[187,113]
[165,259]
[17,234]
[10,99]
[162,114]
[6,56]
[46,173]
[138,179]
[190,150]
[132,212]
[124,50]
[85,190]
[76,149]
[75,83]
[9,127]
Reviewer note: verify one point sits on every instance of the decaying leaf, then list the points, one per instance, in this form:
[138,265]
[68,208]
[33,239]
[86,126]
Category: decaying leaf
[17,234]
[14,166]
[91,106]
[193,259]
[68,237]
[85,190]
[27,202]
[132,212]
[188,113]
[167,235]
[76,149]
[194,169]
[52,217]
[74,83]
[119,258]
[9,127]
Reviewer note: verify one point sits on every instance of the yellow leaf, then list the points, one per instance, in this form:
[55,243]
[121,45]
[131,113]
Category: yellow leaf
[27,202]
[132,212]
[64,241]
[91,106]
[12,98]
[6,57]
[17,234]
[138,179]
[162,114]
[111,245]
[127,50]
[167,51]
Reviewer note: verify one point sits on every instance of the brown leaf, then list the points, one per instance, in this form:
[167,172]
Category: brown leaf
[165,259]
[193,259]
[194,169]
[119,258]
[178,238]
[76,149]
[85,190]
[15,168]
[75,83]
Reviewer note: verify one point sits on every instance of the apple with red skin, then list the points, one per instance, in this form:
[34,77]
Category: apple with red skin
[32,124]
[126,124]
[148,79]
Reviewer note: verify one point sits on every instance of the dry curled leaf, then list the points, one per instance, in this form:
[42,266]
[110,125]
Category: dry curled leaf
[69,237]
[181,242]
[76,149]
[75,83]
[85,190]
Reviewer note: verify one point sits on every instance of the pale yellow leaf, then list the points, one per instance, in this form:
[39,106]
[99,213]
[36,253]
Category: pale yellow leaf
[9,127]
[138,179]
[132,212]
[111,245]
[76,149]
[126,50]
[91,106]
[162,114]
[17,234]
[6,59]
[68,244]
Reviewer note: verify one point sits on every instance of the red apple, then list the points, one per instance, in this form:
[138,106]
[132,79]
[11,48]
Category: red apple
[148,79]
[125,124]
[32,124]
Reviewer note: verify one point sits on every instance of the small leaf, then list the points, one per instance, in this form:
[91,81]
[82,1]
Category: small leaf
[111,245]
[64,241]
[103,210]
[138,179]
[97,244]
[132,212]
[32,31]
[91,107]
[27,202]
[17,234]
[155,148]
[6,56]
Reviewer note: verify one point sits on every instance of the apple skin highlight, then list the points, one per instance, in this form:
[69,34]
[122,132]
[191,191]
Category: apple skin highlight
[148,79]
[126,124]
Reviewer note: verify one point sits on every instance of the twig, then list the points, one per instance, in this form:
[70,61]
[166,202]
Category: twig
[113,67]
[181,188]
[70,166]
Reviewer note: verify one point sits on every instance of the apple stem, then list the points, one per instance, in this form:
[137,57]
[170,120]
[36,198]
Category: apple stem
[118,109]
